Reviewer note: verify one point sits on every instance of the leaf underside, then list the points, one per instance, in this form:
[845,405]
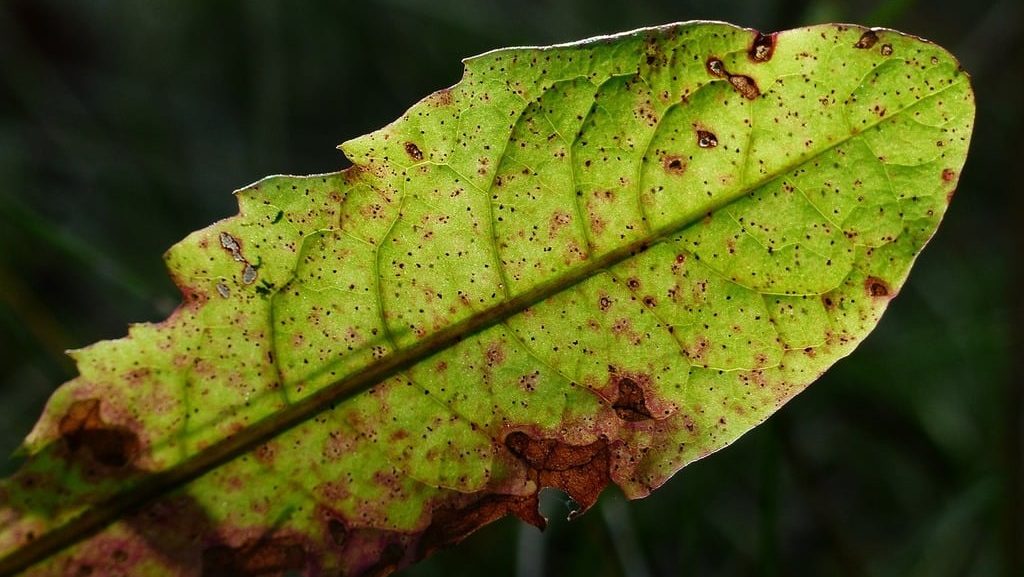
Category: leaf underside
[582,265]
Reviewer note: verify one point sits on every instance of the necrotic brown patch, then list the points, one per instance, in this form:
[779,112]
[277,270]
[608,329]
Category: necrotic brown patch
[706,139]
[263,557]
[876,287]
[763,47]
[86,433]
[745,85]
[453,524]
[867,40]
[579,470]
[630,404]
[413,151]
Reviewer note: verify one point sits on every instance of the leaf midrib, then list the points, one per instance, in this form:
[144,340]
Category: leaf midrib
[149,488]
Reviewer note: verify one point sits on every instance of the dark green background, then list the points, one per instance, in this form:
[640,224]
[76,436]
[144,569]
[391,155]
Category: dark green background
[124,125]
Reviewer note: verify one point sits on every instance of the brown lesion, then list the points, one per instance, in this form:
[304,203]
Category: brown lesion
[867,40]
[877,287]
[763,47]
[745,85]
[582,471]
[630,404]
[413,151]
[87,436]
[674,164]
[269,556]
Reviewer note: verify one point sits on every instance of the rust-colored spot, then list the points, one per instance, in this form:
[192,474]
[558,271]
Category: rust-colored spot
[948,174]
[673,164]
[715,67]
[763,47]
[867,40]
[876,287]
[630,404]
[262,557]
[85,432]
[706,139]
[745,85]
[413,151]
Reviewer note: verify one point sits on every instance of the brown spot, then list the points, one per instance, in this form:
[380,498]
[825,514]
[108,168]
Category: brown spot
[828,302]
[763,47]
[715,67]
[262,557]
[876,287]
[688,423]
[558,220]
[495,354]
[698,351]
[867,40]
[413,151]
[442,97]
[604,302]
[706,139]
[674,164]
[85,433]
[745,85]
[265,453]
[630,404]
[885,50]
[633,283]
[948,174]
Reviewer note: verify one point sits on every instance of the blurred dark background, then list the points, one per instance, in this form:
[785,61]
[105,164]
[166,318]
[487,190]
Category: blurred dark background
[125,125]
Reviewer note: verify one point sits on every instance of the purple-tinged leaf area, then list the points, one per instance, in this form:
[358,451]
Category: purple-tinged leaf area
[652,241]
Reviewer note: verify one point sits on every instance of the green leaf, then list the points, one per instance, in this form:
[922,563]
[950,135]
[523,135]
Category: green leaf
[583,264]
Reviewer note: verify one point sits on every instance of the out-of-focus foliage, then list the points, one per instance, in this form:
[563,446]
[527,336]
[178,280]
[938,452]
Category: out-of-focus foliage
[122,123]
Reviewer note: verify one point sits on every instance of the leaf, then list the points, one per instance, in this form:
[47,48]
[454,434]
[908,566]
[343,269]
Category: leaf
[584,264]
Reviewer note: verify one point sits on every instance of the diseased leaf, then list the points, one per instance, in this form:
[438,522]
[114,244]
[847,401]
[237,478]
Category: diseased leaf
[581,265]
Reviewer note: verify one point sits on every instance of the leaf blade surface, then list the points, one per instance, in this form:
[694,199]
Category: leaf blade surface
[584,264]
